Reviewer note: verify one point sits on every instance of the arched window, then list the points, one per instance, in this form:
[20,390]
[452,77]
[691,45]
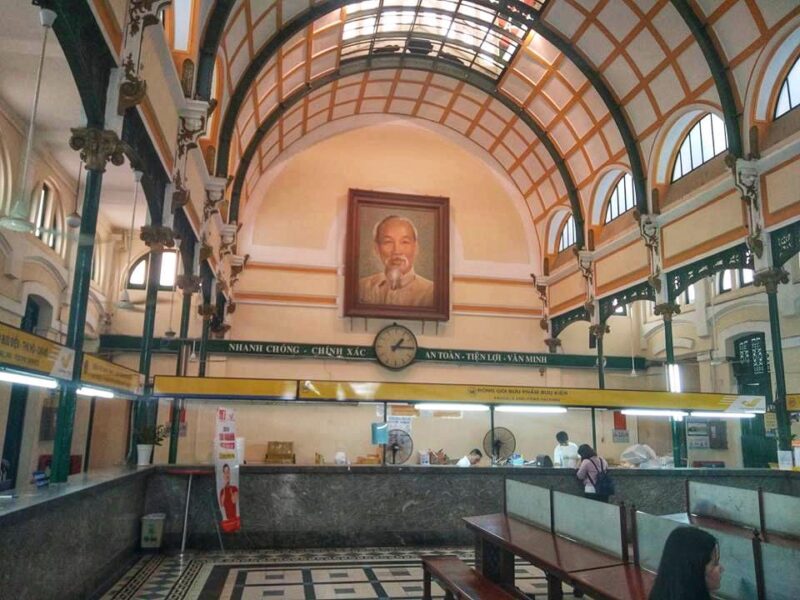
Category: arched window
[789,96]
[704,141]
[622,199]
[688,296]
[568,235]
[47,218]
[137,276]
[734,279]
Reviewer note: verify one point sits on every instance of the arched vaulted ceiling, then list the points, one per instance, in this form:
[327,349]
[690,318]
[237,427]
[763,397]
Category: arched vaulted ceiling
[593,80]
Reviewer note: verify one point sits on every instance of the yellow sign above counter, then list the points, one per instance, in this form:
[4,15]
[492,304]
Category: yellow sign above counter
[224,387]
[490,394]
[312,390]
[793,402]
[25,351]
[97,371]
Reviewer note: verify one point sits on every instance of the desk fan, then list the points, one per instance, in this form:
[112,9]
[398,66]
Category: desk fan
[399,447]
[503,446]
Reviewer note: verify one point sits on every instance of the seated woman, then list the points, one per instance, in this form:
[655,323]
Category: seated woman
[689,568]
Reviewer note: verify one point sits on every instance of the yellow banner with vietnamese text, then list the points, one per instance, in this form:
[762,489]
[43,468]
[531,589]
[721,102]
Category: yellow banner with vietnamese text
[27,352]
[97,371]
[490,394]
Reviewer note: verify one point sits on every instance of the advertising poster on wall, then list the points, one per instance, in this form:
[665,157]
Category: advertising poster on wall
[227,469]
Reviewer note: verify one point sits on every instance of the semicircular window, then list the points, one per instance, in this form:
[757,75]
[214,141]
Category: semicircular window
[459,33]
[705,140]
[622,199]
[789,96]
[568,235]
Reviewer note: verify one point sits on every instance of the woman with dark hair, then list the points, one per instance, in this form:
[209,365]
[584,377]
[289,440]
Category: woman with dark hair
[689,568]
[592,468]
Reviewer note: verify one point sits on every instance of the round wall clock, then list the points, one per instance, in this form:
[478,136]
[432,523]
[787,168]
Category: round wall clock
[395,346]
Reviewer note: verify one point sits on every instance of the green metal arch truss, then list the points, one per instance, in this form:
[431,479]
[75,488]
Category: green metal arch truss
[719,72]
[406,62]
[210,44]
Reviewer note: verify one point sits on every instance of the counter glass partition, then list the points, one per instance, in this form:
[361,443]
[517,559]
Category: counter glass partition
[309,432]
[27,431]
[714,443]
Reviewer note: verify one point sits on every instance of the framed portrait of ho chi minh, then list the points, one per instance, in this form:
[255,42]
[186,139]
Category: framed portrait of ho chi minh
[397,258]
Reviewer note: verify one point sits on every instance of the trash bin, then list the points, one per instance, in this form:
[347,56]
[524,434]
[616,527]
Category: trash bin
[152,530]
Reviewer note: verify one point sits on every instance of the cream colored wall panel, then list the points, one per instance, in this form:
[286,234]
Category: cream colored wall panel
[300,207]
[276,281]
[780,187]
[621,268]
[696,232]
[566,290]
[495,294]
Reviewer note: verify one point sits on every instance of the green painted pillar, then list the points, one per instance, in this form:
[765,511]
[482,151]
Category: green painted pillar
[201,369]
[177,403]
[145,410]
[770,279]
[599,331]
[96,147]
[679,447]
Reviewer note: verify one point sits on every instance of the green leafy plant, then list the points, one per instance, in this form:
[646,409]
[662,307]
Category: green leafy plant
[152,434]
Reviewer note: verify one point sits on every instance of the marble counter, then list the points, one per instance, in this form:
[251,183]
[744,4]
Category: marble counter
[68,540]
[360,505]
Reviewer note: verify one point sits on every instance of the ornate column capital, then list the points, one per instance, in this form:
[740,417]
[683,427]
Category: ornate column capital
[667,310]
[598,330]
[553,344]
[206,311]
[771,279]
[189,284]
[97,147]
[157,237]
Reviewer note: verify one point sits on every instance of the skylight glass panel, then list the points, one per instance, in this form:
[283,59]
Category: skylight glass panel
[475,36]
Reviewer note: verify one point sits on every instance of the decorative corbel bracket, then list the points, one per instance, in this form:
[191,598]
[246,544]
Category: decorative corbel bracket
[746,177]
[141,14]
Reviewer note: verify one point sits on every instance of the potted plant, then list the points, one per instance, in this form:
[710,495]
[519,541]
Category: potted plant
[147,437]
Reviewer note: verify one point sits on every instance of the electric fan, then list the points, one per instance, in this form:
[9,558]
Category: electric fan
[399,447]
[504,443]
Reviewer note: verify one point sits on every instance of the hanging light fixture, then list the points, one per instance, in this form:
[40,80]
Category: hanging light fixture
[74,218]
[124,301]
[18,218]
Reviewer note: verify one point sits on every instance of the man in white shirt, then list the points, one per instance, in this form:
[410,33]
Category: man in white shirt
[566,453]
[473,458]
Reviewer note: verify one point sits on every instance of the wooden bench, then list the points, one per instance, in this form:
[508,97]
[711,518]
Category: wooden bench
[459,580]
[502,538]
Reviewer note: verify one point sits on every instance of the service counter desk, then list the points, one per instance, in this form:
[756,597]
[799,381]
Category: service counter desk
[337,506]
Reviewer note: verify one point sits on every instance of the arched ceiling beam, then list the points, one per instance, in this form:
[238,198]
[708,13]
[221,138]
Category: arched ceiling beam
[612,104]
[422,63]
[87,54]
[212,36]
[720,73]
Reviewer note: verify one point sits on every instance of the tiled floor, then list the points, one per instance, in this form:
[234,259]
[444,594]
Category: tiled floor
[362,573]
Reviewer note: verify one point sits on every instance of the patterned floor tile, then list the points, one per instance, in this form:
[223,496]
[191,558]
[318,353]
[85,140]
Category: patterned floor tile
[337,574]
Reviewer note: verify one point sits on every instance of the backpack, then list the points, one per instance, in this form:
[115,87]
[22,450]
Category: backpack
[603,485]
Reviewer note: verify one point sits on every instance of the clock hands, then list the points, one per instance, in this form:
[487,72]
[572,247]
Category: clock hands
[399,345]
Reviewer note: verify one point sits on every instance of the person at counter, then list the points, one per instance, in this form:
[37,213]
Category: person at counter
[473,458]
[566,453]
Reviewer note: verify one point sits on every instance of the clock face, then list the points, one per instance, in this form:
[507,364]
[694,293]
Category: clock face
[395,346]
